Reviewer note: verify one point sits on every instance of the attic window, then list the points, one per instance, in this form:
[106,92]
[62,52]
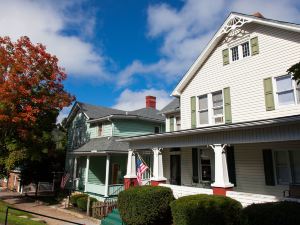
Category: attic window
[235,53]
[100,130]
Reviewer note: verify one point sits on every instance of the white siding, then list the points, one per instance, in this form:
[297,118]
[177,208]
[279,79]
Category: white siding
[250,168]
[278,50]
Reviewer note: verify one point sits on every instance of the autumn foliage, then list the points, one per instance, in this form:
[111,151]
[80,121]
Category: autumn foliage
[31,89]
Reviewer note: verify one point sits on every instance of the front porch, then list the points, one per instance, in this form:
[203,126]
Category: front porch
[99,175]
[253,164]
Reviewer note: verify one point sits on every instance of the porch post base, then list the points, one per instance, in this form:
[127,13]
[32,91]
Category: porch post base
[157,182]
[130,182]
[221,190]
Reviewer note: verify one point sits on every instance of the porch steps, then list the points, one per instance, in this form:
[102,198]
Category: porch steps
[113,218]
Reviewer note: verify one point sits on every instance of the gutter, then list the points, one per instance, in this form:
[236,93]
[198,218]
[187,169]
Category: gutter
[218,128]
[123,117]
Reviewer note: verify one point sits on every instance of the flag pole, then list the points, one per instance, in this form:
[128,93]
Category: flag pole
[144,163]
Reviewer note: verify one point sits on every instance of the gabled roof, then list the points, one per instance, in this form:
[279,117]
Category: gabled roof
[97,113]
[234,20]
[173,106]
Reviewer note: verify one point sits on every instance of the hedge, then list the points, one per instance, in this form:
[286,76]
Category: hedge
[272,213]
[206,210]
[82,202]
[146,205]
[73,198]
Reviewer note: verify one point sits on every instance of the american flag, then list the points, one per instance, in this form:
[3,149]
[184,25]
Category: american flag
[64,180]
[140,168]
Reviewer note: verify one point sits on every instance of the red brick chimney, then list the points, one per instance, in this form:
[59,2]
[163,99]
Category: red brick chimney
[258,14]
[151,102]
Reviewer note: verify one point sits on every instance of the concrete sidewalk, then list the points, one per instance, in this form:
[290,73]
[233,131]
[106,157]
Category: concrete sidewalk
[20,202]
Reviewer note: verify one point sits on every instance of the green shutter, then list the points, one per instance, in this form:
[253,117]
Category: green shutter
[268,167]
[195,165]
[231,164]
[225,53]
[254,46]
[172,123]
[227,105]
[193,112]
[269,98]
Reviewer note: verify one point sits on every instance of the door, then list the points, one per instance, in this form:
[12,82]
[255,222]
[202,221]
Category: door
[175,170]
[115,172]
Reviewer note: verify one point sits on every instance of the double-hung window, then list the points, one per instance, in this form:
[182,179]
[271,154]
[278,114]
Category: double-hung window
[211,109]
[287,90]
[203,109]
[217,106]
[287,166]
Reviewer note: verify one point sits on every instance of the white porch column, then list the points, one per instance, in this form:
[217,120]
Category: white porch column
[221,170]
[158,171]
[131,165]
[87,167]
[107,175]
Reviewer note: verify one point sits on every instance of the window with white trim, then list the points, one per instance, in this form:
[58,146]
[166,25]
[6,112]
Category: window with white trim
[211,108]
[240,51]
[246,49]
[217,106]
[203,109]
[235,53]
[287,167]
[287,91]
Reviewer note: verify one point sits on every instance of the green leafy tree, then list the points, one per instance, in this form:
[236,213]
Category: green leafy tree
[295,72]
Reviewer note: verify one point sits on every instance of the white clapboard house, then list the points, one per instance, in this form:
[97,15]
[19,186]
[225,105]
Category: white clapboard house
[234,125]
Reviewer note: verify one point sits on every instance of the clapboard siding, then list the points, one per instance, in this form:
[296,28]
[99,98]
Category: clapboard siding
[96,174]
[279,49]
[250,169]
[127,128]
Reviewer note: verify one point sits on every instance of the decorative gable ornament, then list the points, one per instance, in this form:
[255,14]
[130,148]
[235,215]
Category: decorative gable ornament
[233,24]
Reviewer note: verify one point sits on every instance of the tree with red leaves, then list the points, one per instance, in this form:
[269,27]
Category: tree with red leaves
[31,96]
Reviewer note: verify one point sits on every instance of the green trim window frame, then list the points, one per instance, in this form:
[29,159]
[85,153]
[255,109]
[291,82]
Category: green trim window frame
[287,91]
[286,166]
[211,108]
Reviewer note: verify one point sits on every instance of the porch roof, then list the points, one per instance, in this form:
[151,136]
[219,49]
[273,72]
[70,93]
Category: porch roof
[102,145]
[275,129]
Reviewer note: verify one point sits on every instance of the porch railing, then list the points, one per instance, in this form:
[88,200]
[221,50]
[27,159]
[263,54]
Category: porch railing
[115,189]
[180,191]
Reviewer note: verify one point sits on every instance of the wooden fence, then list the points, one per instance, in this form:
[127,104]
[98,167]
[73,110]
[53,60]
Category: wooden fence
[102,209]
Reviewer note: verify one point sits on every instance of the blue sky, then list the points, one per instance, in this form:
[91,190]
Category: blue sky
[116,52]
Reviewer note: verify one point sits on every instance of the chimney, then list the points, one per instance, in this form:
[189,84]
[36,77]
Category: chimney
[151,102]
[258,14]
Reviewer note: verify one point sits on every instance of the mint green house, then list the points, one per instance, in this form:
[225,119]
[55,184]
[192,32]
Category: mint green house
[95,159]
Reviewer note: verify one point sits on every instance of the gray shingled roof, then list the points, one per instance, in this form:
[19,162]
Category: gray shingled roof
[103,144]
[173,106]
[95,112]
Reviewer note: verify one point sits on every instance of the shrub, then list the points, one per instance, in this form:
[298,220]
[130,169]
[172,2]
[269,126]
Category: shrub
[73,198]
[206,210]
[146,205]
[82,202]
[272,213]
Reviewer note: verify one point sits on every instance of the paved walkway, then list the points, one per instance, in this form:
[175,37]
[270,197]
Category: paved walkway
[27,204]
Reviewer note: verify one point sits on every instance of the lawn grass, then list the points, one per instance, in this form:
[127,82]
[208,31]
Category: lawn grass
[13,216]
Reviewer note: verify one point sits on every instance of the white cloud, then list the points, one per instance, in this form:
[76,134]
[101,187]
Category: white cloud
[186,31]
[46,22]
[131,100]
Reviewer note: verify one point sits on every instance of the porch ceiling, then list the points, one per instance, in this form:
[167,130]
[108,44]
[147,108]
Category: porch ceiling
[270,130]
